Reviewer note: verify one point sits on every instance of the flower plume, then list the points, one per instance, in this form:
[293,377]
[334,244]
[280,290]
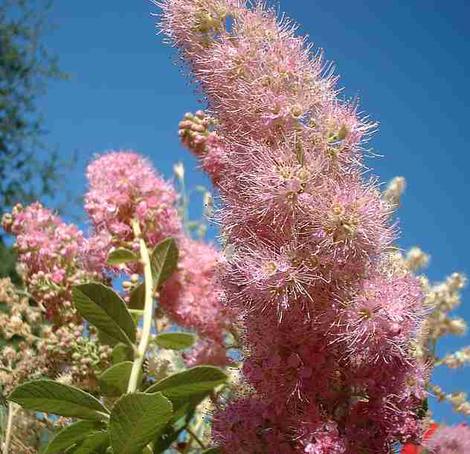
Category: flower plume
[328,322]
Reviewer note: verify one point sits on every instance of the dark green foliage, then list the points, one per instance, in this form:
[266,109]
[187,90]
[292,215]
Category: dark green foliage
[175,341]
[8,264]
[57,398]
[105,309]
[27,168]
[164,260]
[136,419]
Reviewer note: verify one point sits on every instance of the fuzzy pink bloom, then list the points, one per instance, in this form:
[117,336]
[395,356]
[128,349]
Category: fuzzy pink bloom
[250,426]
[378,322]
[207,351]
[192,297]
[327,441]
[449,440]
[124,187]
[53,255]
[327,326]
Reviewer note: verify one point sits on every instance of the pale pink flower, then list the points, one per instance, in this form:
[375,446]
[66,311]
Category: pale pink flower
[192,297]
[52,253]
[327,327]
[449,440]
[207,351]
[378,321]
[124,187]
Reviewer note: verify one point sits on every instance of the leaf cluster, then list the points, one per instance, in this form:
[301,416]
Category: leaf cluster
[114,421]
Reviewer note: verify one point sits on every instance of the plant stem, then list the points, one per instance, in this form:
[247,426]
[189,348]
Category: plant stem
[195,437]
[148,312]
[9,428]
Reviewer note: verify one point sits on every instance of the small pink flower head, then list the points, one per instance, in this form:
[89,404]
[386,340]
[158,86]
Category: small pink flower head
[249,425]
[193,25]
[51,251]
[277,184]
[326,440]
[207,351]
[263,277]
[382,318]
[124,187]
[192,297]
[42,237]
[350,224]
[449,440]
[339,133]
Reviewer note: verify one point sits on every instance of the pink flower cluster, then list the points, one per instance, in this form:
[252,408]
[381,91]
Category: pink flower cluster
[329,321]
[52,253]
[192,296]
[124,187]
[449,440]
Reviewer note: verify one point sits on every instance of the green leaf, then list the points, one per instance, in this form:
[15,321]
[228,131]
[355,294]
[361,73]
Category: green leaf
[175,341]
[49,396]
[171,432]
[106,310]
[121,255]
[69,436]
[95,443]
[188,388]
[164,260]
[196,380]
[137,297]
[103,338]
[136,419]
[121,353]
[212,451]
[113,381]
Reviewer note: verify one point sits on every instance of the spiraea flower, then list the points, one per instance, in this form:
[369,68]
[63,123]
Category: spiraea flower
[193,299]
[382,318]
[449,440]
[207,351]
[329,322]
[124,187]
[52,253]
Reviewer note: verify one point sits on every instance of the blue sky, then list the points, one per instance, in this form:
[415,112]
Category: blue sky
[407,61]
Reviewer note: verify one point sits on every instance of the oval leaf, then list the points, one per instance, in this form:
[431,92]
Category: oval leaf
[106,310]
[95,443]
[196,380]
[137,297]
[164,260]
[175,341]
[70,436]
[136,419]
[120,256]
[113,381]
[49,396]
[121,353]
